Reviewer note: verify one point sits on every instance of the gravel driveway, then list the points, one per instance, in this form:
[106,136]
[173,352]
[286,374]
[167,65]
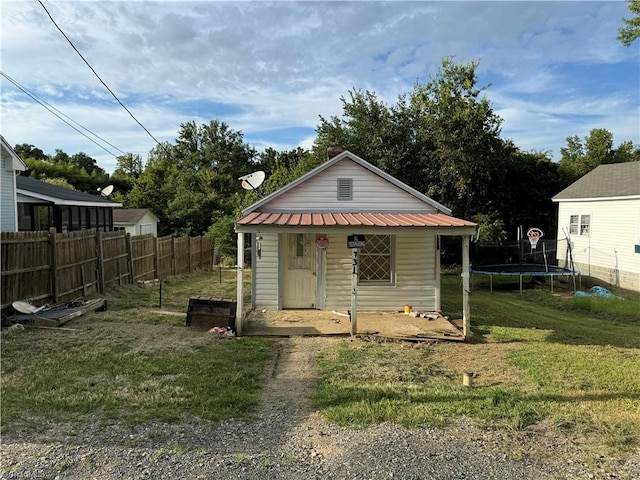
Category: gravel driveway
[287,440]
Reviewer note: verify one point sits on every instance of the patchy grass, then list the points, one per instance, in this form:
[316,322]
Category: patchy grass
[131,363]
[536,358]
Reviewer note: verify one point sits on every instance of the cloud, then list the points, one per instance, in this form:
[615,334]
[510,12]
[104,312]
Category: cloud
[265,67]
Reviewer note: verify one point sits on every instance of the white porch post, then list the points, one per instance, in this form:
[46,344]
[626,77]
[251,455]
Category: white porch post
[437,275]
[239,287]
[466,310]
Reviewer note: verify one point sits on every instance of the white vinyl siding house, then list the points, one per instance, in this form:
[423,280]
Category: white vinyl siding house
[10,165]
[600,214]
[300,257]
[136,221]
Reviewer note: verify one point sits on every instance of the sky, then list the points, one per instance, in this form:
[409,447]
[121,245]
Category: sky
[271,69]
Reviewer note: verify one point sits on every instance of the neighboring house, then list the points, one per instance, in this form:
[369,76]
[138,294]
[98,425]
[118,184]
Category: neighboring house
[300,255]
[11,165]
[135,221]
[600,215]
[42,206]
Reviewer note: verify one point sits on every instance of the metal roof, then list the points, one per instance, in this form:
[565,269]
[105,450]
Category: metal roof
[47,192]
[354,219]
[605,181]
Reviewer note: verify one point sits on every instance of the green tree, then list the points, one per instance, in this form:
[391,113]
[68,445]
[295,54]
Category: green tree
[128,170]
[579,158]
[25,151]
[630,32]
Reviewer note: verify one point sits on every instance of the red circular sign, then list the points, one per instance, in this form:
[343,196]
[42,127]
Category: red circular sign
[322,241]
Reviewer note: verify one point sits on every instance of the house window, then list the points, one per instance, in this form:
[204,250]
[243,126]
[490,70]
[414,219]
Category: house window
[585,223]
[345,189]
[573,224]
[145,228]
[376,261]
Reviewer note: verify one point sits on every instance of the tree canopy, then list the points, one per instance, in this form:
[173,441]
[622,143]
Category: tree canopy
[441,138]
[630,32]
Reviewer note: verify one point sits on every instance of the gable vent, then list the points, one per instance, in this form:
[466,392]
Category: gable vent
[345,189]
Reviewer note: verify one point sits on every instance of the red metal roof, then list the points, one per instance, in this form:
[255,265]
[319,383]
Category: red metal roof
[354,219]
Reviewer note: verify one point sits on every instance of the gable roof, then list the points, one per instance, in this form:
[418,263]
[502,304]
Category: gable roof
[131,215]
[363,163]
[18,163]
[613,180]
[31,187]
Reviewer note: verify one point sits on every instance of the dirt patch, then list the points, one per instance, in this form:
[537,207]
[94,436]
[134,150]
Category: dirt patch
[323,322]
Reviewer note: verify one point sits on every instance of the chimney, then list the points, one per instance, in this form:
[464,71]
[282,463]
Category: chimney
[333,151]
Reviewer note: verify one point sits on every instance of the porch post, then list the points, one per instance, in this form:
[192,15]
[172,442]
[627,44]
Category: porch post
[466,311]
[239,291]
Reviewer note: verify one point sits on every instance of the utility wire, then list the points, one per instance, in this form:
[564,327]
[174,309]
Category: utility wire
[34,97]
[98,76]
[50,107]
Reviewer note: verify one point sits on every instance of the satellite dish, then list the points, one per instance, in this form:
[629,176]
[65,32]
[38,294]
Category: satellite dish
[253,180]
[24,307]
[106,191]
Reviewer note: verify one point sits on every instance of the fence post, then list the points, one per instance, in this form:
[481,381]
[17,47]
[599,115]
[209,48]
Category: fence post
[132,275]
[202,267]
[156,249]
[173,255]
[100,261]
[54,263]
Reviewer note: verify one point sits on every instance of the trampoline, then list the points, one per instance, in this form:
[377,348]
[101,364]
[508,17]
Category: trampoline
[524,270]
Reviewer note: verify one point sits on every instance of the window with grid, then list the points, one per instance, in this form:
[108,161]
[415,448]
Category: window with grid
[585,223]
[375,260]
[573,224]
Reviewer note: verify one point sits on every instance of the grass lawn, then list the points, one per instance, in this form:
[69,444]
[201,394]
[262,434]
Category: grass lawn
[132,363]
[537,358]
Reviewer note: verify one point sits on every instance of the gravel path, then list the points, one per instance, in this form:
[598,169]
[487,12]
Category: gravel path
[287,440]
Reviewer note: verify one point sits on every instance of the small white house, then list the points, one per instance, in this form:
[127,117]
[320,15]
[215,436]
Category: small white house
[136,221]
[11,165]
[305,240]
[600,215]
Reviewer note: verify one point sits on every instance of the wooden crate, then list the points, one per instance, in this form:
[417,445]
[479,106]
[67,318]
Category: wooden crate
[211,312]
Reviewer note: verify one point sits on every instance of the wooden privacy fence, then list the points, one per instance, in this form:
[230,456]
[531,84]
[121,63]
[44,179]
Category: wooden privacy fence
[55,267]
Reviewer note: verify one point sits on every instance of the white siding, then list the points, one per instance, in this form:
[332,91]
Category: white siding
[8,222]
[370,193]
[415,276]
[615,229]
[266,273]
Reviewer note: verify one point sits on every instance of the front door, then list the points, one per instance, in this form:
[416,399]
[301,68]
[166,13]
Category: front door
[299,264]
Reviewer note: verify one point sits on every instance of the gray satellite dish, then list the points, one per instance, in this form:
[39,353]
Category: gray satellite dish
[106,191]
[253,180]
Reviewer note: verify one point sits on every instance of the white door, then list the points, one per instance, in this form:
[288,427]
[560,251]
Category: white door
[299,262]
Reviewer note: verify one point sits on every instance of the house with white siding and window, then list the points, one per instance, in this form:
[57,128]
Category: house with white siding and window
[301,258]
[599,214]
[11,165]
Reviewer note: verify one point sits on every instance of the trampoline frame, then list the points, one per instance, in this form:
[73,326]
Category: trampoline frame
[524,269]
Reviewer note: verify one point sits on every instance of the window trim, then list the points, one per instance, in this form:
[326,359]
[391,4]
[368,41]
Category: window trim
[392,266]
[577,227]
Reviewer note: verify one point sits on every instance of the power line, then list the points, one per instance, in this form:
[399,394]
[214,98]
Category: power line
[98,76]
[50,108]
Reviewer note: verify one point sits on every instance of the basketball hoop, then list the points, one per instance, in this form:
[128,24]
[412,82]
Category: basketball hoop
[534,234]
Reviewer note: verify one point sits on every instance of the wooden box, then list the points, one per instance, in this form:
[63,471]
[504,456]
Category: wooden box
[211,312]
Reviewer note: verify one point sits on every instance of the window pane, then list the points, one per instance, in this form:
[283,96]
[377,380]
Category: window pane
[584,224]
[375,265]
[573,224]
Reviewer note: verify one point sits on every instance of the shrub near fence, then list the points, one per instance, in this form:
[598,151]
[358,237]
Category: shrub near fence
[45,267]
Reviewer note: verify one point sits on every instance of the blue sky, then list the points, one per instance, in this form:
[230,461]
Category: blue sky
[269,69]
